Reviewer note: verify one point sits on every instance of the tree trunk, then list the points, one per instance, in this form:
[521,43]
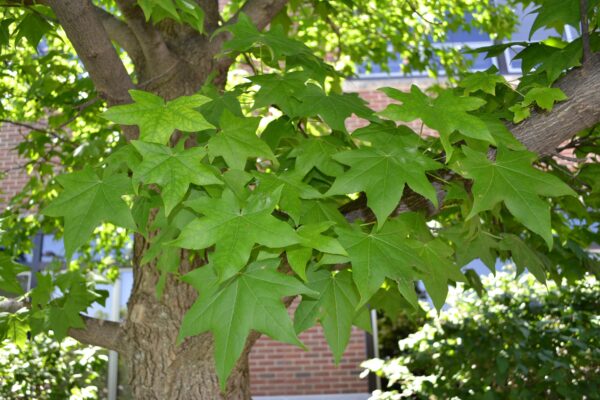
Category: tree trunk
[159,368]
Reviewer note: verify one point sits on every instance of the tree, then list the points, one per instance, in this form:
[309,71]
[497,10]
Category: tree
[540,341]
[244,194]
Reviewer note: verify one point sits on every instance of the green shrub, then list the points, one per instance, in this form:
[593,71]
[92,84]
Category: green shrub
[44,369]
[520,340]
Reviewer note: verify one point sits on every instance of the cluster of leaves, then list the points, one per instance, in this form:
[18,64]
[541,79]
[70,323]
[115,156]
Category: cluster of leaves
[48,370]
[266,192]
[416,36]
[540,342]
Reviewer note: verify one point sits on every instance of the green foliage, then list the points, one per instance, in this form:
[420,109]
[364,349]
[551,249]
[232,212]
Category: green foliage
[45,369]
[250,300]
[88,200]
[266,191]
[158,119]
[520,340]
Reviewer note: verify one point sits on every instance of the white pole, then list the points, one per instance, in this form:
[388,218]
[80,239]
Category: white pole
[113,356]
[375,344]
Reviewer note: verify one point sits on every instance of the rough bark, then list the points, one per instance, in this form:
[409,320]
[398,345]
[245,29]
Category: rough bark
[543,132]
[159,367]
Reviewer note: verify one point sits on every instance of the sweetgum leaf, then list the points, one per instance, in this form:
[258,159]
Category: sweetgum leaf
[381,172]
[294,190]
[8,275]
[280,90]
[377,255]
[523,256]
[88,200]
[158,119]
[334,108]
[234,229]
[246,36]
[335,308]
[173,169]
[446,113]
[482,80]
[544,97]
[252,300]
[317,153]
[237,141]
[512,179]
[440,269]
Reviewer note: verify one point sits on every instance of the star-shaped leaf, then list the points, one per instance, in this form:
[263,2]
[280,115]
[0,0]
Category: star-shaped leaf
[88,200]
[246,36]
[311,237]
[446,113]
[249,301]
[377,255]
[173,169]
[294,190]
[280,90]
[8,274]
[482,80]
[234,229]
[544,97]
[334,108]
[158,119]
[237,141]
[511,179]
[317,153]
[381,172]
[335,308]
[523,256]
[439,268]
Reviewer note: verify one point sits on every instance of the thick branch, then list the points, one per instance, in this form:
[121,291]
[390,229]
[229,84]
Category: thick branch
[97,332]
[101,333]
[157,56]
[119,32]
[543,132]
[84,29]
[261,12]
[211,14]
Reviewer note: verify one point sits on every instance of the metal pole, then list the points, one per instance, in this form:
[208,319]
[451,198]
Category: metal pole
[375,343]
[113,356]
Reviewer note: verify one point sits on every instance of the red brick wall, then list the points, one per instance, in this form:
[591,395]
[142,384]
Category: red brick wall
[282,369]
[12,173]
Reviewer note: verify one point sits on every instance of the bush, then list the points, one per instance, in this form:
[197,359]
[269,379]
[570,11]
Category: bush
[520,340]
[46,369]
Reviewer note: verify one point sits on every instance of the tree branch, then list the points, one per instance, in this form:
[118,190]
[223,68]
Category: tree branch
[261,12]
[157,55]
[211,14]
[543,132]
[84,29]
[101,333]
[97,332]
[119,32]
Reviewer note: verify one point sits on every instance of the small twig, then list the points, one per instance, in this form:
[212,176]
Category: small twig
[250,63]
[414,9]
[585,31]
[567,158]
[36,128]
[338,34]
[80,109]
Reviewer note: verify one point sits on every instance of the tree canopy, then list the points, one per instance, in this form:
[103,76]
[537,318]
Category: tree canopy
[244,191]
